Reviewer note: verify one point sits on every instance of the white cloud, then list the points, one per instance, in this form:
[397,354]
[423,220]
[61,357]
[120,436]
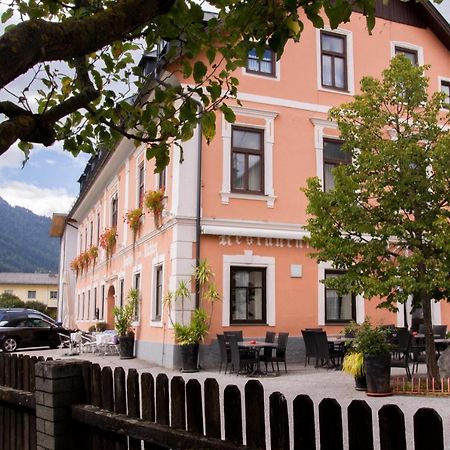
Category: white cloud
[12,158]
[41,201]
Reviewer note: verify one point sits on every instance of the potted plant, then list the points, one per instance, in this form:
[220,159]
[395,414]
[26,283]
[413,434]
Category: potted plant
[123,318]
[370,341]
[154,202]
[189,336]
[75,265]
[354,365]
[107,241]
[133,219]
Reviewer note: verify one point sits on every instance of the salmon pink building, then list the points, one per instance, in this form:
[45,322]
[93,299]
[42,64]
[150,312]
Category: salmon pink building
[237,202]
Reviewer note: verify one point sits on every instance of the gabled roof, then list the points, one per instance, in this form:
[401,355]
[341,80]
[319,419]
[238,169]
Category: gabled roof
[28,278]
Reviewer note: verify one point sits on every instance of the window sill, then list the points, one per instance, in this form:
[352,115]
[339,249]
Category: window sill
[156,323]
[225,197]
[336,91]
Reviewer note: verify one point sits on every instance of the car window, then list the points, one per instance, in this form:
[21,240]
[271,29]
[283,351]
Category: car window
[22,323]
[39,323]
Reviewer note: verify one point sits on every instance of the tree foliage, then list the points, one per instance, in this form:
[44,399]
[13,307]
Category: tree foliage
[11,301]
[78,100]
[387,221]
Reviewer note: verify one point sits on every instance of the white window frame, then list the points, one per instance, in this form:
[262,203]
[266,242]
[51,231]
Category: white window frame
[157,261]
[321,319]
[138,271]
[139,164]
[349,58]
[408,46]
[120,302]
[227,129]
[249,260]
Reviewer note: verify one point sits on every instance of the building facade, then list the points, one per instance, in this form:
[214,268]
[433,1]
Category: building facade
[237,202]
[31,287]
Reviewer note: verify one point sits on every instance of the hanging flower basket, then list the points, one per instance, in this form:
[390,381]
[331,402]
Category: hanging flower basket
[84,260]
[75,265]
[93,254]
[154,202]
[133,219]
[108,240]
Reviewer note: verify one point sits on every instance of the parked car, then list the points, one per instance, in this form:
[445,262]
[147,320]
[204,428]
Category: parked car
[30,332]
[9,314]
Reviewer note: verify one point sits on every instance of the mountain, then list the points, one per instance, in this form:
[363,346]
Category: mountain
[25,244]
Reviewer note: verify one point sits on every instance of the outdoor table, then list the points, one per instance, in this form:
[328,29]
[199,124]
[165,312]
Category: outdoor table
[338,341]
[256,346]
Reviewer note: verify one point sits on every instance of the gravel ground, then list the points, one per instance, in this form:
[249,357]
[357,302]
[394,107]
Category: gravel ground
[317,383]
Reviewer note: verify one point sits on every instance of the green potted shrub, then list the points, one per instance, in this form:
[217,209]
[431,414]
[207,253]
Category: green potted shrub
[189,336]
[354,365]
[371,342]
[123,318]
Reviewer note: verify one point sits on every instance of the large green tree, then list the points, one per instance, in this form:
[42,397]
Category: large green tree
[387,220]
[79,101]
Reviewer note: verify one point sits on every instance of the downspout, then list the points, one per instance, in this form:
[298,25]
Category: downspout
[198,227]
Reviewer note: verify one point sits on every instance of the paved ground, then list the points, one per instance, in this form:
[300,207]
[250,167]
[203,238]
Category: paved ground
[317,383]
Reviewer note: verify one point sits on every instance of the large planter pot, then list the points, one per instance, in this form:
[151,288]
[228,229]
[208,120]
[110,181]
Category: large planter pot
[378,375]
[189,358]
[126,347]
[361,383]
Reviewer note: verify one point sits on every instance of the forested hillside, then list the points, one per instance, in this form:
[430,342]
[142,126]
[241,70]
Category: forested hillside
[25,244]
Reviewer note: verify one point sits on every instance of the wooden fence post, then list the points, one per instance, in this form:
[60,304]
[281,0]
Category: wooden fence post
[58,385]
[330,420]
[304,426]
[392,428]
[279,421]
[360,433]
[428,430]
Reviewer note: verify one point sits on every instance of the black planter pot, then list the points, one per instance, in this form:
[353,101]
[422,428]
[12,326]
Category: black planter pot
[126,347]
[361,383]
[189,358]
[378,375]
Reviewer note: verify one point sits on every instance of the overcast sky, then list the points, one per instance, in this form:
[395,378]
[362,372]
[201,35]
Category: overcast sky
[48,182]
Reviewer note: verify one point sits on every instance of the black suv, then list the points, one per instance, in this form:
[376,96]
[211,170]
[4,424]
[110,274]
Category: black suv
[9,314]
[21,328]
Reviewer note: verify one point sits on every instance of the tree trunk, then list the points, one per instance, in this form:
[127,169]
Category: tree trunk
[430,348]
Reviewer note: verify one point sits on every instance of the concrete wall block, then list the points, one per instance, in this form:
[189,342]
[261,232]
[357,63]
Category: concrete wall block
[39,397]
[57,429]
[61,399]
[54,385]
[40,425]
[56,369]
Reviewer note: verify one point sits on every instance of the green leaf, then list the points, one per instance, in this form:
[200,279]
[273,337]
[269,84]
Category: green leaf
[228,113]
[199,71]
[7,15]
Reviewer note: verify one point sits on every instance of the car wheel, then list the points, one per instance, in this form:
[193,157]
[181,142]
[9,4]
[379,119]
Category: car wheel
[9,345]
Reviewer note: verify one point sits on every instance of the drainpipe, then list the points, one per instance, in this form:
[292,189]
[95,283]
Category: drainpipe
[198,228]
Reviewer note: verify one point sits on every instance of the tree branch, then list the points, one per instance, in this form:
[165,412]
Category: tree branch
[37,40]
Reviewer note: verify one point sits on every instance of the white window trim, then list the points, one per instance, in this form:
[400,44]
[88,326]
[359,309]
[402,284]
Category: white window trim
[120,277]
[319,136]
[440,80]
[269,117]
[158,260]
[249,260]
[359,300]
[137,270]
[408,46]
[139,164]
[349,59]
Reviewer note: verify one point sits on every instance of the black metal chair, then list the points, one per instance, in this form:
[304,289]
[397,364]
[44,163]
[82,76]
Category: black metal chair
[280,351]
[440,331]
[327,354]
[401,352]
[225,357]
[241,361]
[310,344]
[268,351]
[238,333]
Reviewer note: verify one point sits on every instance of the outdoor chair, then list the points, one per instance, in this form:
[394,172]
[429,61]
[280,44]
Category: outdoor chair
[280,351]
[326,354]
[225,357]
[241,361]
[440,331]
[401,354]
[239,334]
[310,344]
[268,351]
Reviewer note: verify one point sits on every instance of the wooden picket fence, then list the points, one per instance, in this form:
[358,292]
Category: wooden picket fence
[131,411]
